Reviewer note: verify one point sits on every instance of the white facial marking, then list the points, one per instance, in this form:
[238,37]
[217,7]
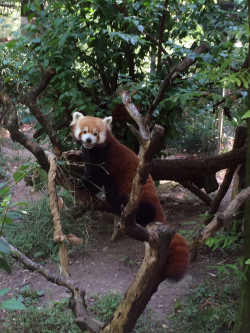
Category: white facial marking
[88,140]
[77,131]
[102,137]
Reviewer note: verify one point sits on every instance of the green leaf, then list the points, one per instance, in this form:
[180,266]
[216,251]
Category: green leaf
[15,215]
[238,81]
[18,204]
[11,44]
[37,5]
[39,254]
[18,176]
[5,266]
[6,220]
[247,262]
[24,167]
[6,200]
[140,28]
[4,291]
[30,16]
[4,247]
[246,115]
[4,191]
[12,304]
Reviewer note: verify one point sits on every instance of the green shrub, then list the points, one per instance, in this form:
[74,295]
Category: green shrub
[196,133]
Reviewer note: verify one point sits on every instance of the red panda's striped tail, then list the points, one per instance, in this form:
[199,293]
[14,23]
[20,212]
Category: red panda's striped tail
[177,259]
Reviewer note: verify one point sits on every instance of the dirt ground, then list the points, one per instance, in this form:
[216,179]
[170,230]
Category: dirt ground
[110,266]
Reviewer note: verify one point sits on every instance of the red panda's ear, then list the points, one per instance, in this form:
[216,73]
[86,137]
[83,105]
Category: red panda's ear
[107,121]
[76,117]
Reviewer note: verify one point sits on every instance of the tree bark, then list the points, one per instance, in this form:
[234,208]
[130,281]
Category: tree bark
[145,283]
[220,220]
[200,171]
[239,141]
[242,324]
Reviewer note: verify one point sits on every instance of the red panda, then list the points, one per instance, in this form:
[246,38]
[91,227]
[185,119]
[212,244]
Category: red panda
[111,165]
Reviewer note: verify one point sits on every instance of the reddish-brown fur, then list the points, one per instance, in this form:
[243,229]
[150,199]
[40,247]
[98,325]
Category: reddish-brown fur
[122,166]
[121,163]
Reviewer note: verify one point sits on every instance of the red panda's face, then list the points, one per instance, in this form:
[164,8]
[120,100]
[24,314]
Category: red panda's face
[91,131]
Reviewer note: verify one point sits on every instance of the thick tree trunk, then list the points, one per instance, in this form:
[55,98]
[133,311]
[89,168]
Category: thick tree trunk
[242,324]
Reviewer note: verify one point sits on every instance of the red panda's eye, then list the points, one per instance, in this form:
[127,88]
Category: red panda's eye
[95,134]
[84,131]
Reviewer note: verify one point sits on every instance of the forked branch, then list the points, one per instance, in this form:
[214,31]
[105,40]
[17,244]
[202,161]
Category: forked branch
[219,221]
[158,235]
[30,99]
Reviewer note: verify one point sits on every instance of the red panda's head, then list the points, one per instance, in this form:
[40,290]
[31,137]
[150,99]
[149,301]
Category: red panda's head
[90,130]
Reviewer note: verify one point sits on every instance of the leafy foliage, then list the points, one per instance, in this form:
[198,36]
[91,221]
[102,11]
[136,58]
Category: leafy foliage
[227,240]
[10,304]
[99,47]
[8,215]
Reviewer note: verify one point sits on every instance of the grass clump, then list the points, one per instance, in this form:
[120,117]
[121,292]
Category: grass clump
[33,235]
[105,306]
[50,318]
[210,308]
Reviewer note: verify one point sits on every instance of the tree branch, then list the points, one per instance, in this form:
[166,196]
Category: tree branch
[10,121]
[175,73]
[30,99]
[219,221]
[239,141]
[161,32]
[199,171]
[147,150]
[195,190]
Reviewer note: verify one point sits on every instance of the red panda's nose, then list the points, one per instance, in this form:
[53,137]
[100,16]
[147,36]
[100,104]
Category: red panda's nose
[88,140]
